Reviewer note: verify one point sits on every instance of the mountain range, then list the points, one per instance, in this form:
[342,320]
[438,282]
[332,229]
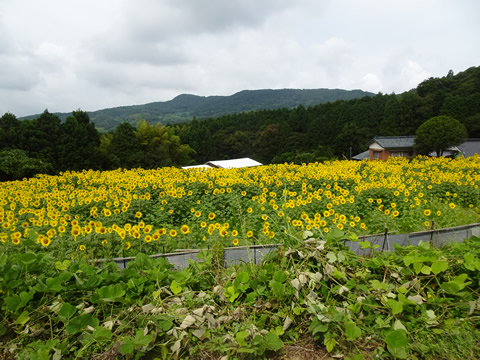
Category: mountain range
[185,107]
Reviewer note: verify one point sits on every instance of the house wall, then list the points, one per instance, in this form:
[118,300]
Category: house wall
[383,155]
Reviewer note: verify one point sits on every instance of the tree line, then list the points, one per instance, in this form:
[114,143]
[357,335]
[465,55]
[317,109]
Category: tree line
[336,129]
[46,145]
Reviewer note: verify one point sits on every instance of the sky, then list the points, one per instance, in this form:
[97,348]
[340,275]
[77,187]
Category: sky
[64,55]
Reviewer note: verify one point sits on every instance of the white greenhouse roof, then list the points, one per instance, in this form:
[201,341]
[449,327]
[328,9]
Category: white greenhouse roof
[234,163]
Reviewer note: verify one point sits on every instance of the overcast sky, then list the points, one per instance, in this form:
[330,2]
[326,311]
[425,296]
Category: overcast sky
[64,55]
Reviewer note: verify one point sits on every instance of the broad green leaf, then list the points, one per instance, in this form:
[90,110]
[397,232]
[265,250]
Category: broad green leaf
[243,277]
[127,347]
[67,311]
[273,342]
[471,262]
[358,357]
[43,354]
[278,288]
[101,334]
[28,258]
[141,339]
[17,302]
[231,293]
[111,293]
[165,325]
[278,330]
[397,338]
[175,287]
[439,266]
[62,265]
[417,267]
[317,326]
[79,323]
[23,318]
[240,336]
[364,244]
[396,306]
[352,331]
[398,353]
[409,259]
[455,285]
[397,343]
[338,274]
[426,270]
[423,245]
[335,235]
[451,287]
[279,276]
[329,342]
[397,325]
[54,284]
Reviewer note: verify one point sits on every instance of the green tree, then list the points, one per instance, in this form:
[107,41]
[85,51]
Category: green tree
[9,127]
[15,164]
[80,142]
[268,143]
[350,141]
[472,123]
[125,147]
[160,146]
[438,134]
[40,138]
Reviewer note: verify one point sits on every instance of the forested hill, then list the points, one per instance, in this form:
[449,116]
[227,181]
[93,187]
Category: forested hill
[185,107]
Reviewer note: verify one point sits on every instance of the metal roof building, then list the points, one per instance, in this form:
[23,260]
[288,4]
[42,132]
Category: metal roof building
[233,163]
[470,147]
[226,164]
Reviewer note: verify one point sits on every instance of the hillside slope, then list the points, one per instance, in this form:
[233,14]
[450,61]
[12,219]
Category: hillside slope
[185,107]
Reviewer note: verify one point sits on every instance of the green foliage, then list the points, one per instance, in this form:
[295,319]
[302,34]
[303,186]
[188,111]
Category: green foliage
[381,306]
[438,134]
[15,164]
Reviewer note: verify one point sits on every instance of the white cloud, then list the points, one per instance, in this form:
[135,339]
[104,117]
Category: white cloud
[413,74]
[371,82]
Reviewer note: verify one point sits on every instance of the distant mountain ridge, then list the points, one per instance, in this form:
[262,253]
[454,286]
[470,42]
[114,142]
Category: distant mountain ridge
[185,107]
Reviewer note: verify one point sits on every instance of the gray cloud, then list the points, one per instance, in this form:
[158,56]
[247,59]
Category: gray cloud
[96,54]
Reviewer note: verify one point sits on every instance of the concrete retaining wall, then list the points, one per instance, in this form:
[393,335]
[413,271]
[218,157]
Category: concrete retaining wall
[256,253]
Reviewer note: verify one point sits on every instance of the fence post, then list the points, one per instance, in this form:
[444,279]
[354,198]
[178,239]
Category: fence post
[385,239]
[431,234]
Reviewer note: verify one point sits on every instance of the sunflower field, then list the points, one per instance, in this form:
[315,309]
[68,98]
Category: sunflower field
[120,213]
[312,298]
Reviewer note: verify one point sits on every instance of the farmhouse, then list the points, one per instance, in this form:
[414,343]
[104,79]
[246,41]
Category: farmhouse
[383,147]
